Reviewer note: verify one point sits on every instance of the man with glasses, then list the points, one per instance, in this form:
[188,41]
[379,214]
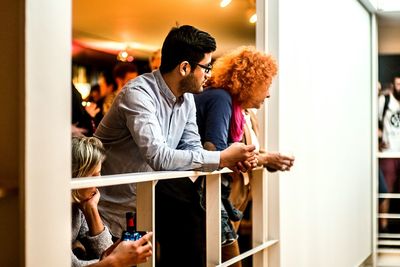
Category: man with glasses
[151,126]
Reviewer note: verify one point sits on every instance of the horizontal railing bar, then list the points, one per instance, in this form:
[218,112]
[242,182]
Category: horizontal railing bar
[388,235]
[389,215]
[138,177]
[389,242]
[389,250]
[389,195]
[249,253]
[388,155]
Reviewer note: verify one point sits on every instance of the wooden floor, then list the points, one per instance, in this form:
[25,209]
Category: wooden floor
[389,258]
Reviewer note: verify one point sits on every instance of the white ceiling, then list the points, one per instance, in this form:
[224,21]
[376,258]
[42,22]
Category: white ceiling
[112,25]
[142,25]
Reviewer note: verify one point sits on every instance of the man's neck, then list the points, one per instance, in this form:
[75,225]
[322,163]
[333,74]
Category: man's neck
[173,83]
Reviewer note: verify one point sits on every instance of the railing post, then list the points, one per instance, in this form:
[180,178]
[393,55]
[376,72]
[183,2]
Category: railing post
[259,213]
[213,219]
[145,213]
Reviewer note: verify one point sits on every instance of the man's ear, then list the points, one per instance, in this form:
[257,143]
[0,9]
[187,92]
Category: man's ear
[184,68]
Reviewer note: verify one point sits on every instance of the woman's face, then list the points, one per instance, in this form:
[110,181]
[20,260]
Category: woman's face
[87,193]
[261,92]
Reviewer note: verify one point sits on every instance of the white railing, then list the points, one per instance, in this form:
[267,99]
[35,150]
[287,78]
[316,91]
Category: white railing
[145,209]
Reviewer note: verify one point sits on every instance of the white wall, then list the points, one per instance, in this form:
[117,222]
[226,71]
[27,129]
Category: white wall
[325,121]
[389,39]
[47,133]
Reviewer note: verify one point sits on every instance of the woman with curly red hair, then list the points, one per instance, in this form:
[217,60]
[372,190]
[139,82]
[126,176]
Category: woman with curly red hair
[240,81]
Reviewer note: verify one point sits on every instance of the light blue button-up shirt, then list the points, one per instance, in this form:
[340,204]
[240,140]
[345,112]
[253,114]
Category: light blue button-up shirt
[148,129]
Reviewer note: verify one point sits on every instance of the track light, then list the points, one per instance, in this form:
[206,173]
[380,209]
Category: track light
[225,3]
[253,18]
[125,56]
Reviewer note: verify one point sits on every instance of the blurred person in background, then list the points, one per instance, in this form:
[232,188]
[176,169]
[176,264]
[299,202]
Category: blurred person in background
[389,141]
[107,90]
[122,73]
[83,118]
[155,60]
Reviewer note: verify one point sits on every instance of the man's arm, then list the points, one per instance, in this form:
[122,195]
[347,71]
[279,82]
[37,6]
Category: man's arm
[139,109]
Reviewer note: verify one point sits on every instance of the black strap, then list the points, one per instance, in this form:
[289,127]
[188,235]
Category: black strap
[385,108]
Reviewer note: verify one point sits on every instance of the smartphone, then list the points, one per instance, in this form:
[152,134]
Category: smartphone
[132,236]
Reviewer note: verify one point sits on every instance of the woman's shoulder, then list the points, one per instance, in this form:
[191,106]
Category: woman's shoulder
[218,93]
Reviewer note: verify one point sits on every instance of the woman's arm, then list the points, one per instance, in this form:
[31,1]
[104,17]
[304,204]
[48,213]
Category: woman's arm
[275,161]
[92,216]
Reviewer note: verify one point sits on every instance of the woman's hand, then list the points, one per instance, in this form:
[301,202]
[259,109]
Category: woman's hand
[89,209]
[128,253]
[276,161]
[91,202]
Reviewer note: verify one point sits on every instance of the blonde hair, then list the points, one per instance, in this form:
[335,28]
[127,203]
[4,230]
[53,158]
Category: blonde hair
[241,71]
[87,154]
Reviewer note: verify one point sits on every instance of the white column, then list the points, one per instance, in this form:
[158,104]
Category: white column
[47,133]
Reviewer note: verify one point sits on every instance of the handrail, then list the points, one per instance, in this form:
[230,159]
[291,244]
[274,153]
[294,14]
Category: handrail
[138,177]
[249,253]
[146,182]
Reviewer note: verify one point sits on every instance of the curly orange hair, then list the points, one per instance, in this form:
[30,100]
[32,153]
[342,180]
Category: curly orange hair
[241,71]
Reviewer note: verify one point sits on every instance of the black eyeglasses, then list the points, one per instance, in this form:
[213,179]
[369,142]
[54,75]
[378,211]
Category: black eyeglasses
[207,68]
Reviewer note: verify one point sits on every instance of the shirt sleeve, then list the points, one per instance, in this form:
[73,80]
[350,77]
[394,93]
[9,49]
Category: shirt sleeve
[217,118]
[96,245]
[75,262]
[99,243]
[139,109]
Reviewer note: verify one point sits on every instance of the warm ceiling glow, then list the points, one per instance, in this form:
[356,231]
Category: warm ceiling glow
[225,3]
[113,47]
[253,18]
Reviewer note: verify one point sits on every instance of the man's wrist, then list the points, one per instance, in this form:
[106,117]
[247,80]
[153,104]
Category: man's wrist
[222,163]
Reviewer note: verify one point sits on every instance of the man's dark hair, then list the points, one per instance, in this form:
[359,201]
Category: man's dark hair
[395,75]
[109,78]
[185,43]
[121,69]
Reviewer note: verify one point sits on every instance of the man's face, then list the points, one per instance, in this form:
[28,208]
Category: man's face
[129,76]
[193,83]
[396,84]
[105,89]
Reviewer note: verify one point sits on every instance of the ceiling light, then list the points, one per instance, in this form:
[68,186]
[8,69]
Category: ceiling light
[253,18]
[225,3]
[125,56]
[83,89]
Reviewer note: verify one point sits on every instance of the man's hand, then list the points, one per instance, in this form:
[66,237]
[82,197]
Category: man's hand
[92,109]
[238,157]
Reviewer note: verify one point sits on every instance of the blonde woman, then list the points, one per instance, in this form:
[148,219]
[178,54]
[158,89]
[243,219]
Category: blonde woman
[87,227]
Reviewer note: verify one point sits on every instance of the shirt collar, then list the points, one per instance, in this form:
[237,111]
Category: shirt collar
[164,89]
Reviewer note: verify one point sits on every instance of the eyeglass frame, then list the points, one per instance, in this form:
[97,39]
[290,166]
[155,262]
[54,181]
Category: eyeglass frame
[207,69]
